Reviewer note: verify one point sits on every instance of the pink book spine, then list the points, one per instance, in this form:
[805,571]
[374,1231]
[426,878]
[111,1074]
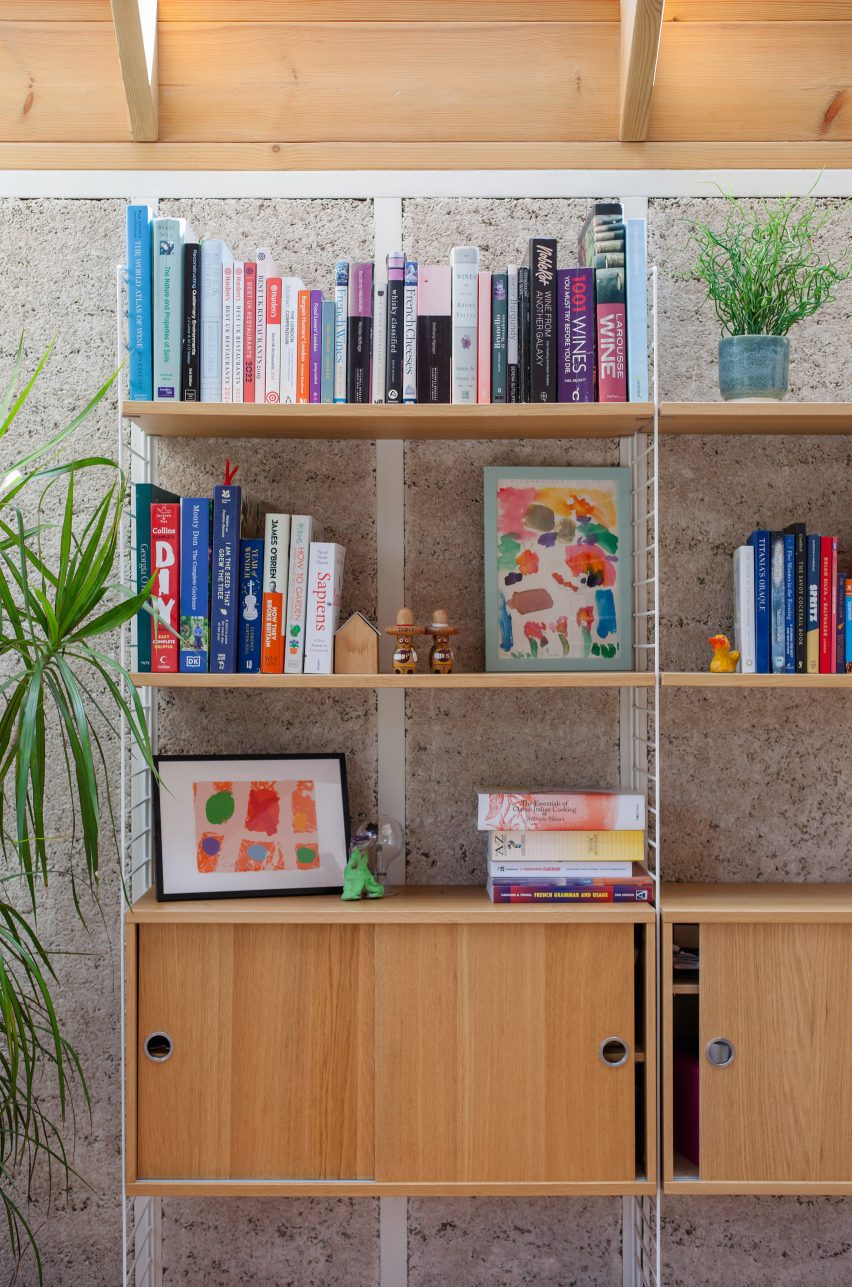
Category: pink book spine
[483,348]
[612,352]
[560,811]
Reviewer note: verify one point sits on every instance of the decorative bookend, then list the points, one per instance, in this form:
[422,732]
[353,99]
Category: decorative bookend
[441,657]
[404,654]
[356,647]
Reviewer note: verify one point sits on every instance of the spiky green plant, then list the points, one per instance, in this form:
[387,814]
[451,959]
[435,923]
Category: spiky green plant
[63,696]
[762,270]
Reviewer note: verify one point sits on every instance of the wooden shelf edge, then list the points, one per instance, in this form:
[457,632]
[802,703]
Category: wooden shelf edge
[370,1188]
[500,679]
[756,418]
[685,989]
[704,679]
[767,1188]
[776,902]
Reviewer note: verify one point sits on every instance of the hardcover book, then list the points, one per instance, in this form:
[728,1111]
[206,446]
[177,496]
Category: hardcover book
[395,310]
[483,338]
[540,872]
[251,592]
[214,256]
[523,334]
[840,663]
[276,549]
[744,629]
[575,335]
[800,595]
[301,533]
[777,606]
[325,579]
[464,266]
[812,632]
[513,388]
[191,353]
[847,598]
[327,382]
[139,221]
[228,329]
[165,625]
[265,269]
[434,333]
[341,327]
[315,358]
[620,847]
[194,584]
[380,337]
[499,337]
[239,340]
[637,312]
[541,261]
[760,541]
[227,501]
[291,288]
[303,348]
[635,890]
[169,238]
[359,344]
[789,605]
[272,343]
[827,605]
[249,337]
[409,334]
[144,495]
[560,811]
[610,312]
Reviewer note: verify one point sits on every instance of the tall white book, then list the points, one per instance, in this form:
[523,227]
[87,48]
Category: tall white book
[214,255]
[744,618]
[325,580]
[380,325]
[228,330]
[239,327]
[302,532]
[464,266]
[265,269]
[290,287]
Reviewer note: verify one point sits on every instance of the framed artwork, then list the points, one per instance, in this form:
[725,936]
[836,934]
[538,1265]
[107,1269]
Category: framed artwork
[558,566]
[232,826]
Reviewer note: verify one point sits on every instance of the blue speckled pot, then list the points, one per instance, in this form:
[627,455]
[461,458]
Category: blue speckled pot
[754,368]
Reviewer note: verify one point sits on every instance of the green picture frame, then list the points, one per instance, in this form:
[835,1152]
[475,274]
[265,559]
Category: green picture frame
[558,569]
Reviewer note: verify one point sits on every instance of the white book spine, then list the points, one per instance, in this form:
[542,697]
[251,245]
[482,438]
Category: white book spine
[464,262]
[214,256]
[512,317]
[380,325]
[228,331]
[567,846]
[409,334]
[290,287]
[341,327]
[325,579]
[744,615]
[301,534]
[265,269]
[239,326]
[276,549]
[538,871]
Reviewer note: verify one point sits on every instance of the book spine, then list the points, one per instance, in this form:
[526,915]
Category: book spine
[542,872]
[228,331]
[575,333]
[303,348]
[789,605]
[251,595]
[597,891]
[194,584]
[483,338]
[378,369]
[225,578]
[395,310]
[167,306]
[359,344]
[513,389]
[276,545]
[744,632]
[325,579]
[464,264]
[542,265]
[779,654]
[827,604]
[524,334]
[499,337]
[165,541]
[812,632]
[214,255]
[273,340]
[560,811]
[840,661]
[567,846]
[190,355]
[265,270]
[249,337]
[327,383]
[144,494]
[434,333]
[301,532]
[315,357]
[832,620]
[341,327]
[409,334]
[239,328]
[637,311]
[139,270]
[847,600]
[800,594]
[290,289]
[759,540]
[611,319]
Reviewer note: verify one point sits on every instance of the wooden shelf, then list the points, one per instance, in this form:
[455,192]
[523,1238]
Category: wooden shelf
[684,989]
[373,1189]
[704,679]
[705,903]
[510,679]
[368,423]
[756,417]
[412,905]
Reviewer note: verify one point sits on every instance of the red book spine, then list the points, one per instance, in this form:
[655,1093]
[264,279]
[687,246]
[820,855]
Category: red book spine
[249,330]
[612,352]
[827,604]
[165,564]
[303,349]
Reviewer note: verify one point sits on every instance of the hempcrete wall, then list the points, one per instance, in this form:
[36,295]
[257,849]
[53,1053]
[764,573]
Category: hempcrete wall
[781,793]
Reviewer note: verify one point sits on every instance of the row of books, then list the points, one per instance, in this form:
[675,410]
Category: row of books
[565,846]
[792,604]
[206,327]
[227,602]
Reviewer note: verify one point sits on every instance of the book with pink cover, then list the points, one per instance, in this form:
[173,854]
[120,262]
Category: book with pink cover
[560,811]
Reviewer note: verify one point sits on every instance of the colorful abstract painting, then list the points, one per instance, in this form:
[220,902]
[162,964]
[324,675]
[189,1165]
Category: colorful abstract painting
[557,566]
[255,826]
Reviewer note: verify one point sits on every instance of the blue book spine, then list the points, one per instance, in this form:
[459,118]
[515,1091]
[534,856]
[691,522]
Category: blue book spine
[812,618]
[227,500]
[169,239]
[251,596]
[790,604]
[139,269]
[759,540]
[776,605]
[144,494]
[637,312]
[194,584]
[327,384]
[847,599]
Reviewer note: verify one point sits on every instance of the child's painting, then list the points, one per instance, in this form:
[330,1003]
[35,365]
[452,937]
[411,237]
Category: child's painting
[227,826]
[558,569]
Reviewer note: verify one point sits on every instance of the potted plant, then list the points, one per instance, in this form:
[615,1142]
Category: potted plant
[764,273]
[64,695]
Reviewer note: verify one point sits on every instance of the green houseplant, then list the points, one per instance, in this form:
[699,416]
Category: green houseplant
[63,698]
[764,273]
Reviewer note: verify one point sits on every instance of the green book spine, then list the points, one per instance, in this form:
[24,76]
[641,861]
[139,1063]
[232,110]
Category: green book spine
[144,495]
[499,334]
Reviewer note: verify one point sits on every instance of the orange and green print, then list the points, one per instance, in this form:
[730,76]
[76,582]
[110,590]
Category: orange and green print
[255,826]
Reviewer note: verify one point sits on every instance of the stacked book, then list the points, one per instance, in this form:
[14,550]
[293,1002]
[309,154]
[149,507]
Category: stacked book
[206,326]
[565,846]
[228,601]
[792,604]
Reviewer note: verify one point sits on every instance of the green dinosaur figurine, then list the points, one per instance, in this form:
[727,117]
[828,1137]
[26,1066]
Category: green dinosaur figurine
[358,880]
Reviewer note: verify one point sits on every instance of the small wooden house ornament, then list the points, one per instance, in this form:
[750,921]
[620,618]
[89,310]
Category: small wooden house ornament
[356,647]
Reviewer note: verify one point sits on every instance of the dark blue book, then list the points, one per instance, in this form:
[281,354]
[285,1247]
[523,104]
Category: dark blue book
[139,269]
[499,336]
[812,621]
[759,540]
[789,604]
[144,494]
[840,668]
[777,644]
[227,500]
[800,608]
[194,585]
[249,629]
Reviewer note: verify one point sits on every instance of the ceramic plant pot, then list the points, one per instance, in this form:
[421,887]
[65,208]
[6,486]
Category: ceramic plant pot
[753,368]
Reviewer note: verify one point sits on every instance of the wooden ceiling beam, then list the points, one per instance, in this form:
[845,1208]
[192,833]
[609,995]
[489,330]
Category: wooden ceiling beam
[641,23]
[135,23]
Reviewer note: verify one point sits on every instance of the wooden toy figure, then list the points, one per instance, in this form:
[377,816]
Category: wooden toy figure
[441,656]
[724,660]
[404,654]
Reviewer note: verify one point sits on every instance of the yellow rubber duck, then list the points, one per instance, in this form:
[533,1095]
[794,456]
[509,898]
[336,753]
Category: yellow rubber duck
[724,661]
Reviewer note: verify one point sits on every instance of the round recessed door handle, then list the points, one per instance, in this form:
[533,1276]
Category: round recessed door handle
[720,1052]
[158,1047]
[614,1052]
